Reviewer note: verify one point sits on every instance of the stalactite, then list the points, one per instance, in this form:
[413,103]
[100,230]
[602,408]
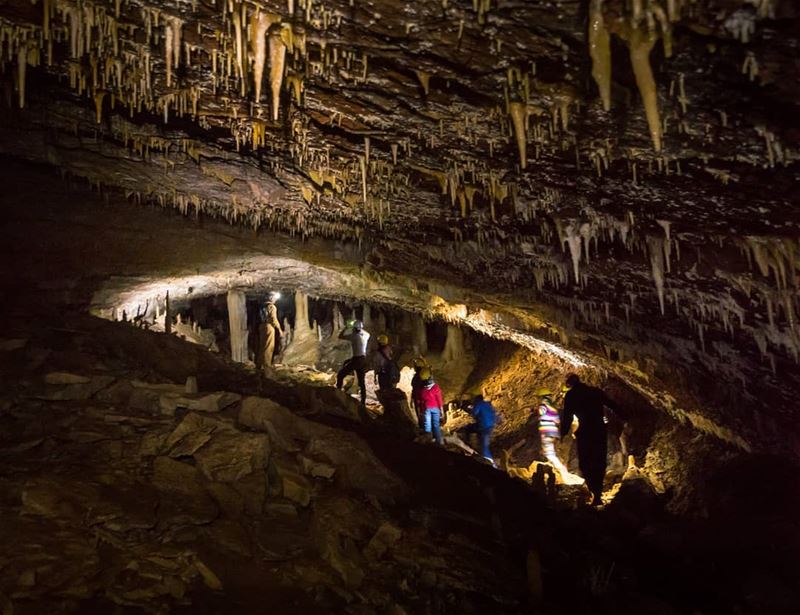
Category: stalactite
[424,80]
[600,52]
[98,105]
[518,112]
[277,58]
[639,45]
[655,246]
[260,23]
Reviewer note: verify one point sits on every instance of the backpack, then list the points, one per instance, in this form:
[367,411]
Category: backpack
[389,374]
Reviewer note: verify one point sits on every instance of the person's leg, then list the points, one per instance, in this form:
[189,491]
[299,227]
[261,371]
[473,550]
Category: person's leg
[347,368]
[485,437]
[269,347]
[436,426]
[550,454]
[361,374]
[592,452]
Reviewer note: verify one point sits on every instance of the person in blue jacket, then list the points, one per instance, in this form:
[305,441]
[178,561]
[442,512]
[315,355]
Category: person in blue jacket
[485,419]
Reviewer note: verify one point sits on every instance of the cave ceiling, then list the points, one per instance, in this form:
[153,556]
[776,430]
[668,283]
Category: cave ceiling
[627,171]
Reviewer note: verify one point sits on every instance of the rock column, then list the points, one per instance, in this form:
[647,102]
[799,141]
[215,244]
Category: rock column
[237,319]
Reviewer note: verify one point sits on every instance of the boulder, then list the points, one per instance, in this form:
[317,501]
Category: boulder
[316,469]
[191,433]
[229,456]
[293,485]
[385,537]
[213,402]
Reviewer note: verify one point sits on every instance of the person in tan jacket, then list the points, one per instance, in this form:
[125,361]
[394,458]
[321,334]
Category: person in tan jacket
[272,329]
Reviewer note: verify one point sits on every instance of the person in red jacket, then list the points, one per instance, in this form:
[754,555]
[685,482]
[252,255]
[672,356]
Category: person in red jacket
[429,400]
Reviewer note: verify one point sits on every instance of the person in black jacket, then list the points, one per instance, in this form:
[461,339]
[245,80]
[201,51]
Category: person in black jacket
[587,404]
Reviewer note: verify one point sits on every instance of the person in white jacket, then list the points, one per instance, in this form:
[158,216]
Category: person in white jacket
[358,338]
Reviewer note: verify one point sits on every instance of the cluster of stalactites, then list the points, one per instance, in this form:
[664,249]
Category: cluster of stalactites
[640,28]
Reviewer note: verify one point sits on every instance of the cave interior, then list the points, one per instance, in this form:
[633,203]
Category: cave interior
[514,190]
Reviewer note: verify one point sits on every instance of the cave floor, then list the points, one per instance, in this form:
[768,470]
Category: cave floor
[119,492]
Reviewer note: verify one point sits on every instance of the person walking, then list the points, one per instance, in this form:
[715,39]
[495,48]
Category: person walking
[547,418]
[358,338]
[587,404]
[416,384]
[272,330]
[485,419]
[429,397]
[387,372]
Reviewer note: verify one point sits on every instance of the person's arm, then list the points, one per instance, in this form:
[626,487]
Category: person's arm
[273,318]
[614,407]
[439,398]
[567,415]
[344,335]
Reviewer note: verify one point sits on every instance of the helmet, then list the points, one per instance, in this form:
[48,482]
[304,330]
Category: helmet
[274,296]
[425,373]
[419,363]
[383,340]
[543,392]
[572,380]
[358,325]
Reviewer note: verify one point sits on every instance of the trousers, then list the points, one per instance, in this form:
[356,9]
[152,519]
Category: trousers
[359,366]
[484,437]
[432,424]
[549,453]
[592,453]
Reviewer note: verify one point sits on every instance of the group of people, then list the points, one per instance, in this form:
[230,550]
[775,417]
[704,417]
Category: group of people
[583,405]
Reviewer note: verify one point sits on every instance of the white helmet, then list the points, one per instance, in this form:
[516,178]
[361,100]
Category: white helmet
[274,296]
[358,325]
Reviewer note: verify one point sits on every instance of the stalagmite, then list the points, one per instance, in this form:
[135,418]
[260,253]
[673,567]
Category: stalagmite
[600,52]
[640,44]
[454,345]
[518,111]
[237,319]
[277,58]
[420,336]
[22,65]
